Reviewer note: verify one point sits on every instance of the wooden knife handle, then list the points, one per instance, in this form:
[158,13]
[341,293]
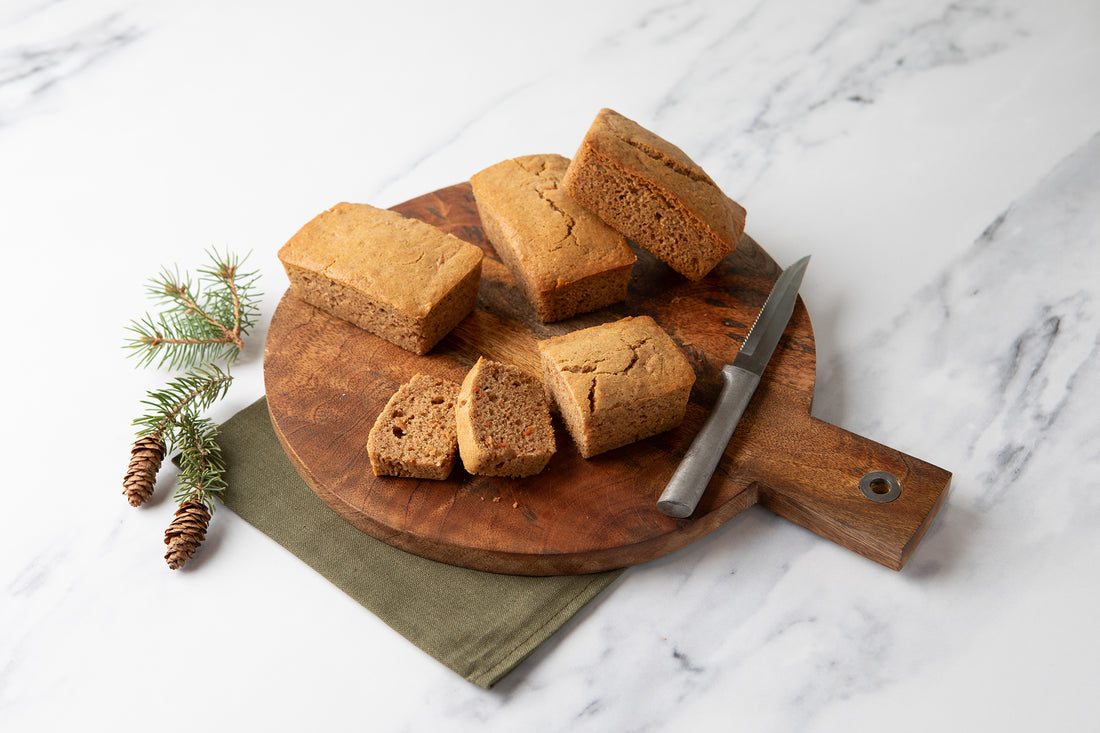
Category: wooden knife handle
[809,471]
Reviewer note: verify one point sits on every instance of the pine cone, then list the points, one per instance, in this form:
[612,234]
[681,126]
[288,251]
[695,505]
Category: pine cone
[186,532]
[145,459]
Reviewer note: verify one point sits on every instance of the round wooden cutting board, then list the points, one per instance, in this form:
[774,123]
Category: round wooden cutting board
[327,381]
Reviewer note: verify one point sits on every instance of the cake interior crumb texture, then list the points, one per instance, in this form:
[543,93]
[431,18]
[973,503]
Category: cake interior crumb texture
[563,257]
[503,421]
[415,434]
[398,278]
[617,383]
[652,192]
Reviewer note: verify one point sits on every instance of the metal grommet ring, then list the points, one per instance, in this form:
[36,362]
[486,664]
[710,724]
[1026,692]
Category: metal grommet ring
[880,486]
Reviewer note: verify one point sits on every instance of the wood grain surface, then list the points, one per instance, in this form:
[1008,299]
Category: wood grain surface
[327,380]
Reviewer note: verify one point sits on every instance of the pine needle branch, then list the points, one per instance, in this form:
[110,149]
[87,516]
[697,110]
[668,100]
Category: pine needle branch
[200,322]
[202,476]
[169,421]
[202,467]
[191,392]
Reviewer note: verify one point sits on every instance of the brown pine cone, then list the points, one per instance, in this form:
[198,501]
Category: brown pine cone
[186,532]
[145,459]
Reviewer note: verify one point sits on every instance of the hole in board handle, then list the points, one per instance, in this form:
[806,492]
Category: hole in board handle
[880,486]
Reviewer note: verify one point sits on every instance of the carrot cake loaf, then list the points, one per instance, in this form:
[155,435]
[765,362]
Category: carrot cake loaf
[617,383]
[651,191]
[399,278]
[564,258]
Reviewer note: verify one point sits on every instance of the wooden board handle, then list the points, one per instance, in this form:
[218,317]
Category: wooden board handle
[809,471]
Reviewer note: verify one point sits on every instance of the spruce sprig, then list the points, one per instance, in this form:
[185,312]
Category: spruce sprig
[168,410]
[201,320]
[167,423]
[202,467]
[202,475]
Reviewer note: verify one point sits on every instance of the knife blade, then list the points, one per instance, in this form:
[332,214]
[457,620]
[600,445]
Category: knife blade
[739,381]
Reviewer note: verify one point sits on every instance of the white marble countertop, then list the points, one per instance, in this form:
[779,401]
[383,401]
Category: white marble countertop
[940,160]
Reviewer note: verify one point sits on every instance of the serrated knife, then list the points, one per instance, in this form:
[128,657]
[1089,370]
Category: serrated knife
[739,382]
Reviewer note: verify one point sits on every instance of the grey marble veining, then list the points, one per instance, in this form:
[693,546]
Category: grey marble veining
[45,53]
[777,82]
[1011,326]
[1002,384]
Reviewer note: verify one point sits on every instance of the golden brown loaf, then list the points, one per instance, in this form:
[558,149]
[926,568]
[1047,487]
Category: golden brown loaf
[564,258]
[415,434]
[399,278]
[503,421]
[617,383]
[651,191]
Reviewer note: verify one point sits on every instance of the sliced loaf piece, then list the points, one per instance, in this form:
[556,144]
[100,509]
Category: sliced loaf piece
[503,421]
[415,434]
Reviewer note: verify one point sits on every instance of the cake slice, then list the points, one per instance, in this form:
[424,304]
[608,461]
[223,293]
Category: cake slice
[564,258]
[617,383]
[415,434]
[503,421]
[399,278]
[651,191]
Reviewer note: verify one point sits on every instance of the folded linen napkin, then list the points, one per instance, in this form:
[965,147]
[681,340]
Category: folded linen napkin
[481,625]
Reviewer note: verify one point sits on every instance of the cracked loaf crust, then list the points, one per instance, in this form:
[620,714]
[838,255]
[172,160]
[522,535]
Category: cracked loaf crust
[503,421]
[617,383]
[564,258]
[399,278]
[651,191]
[415,434]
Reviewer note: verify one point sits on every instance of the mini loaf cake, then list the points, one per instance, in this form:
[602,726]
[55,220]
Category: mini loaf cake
[415,434]
[564,258]
[399,278]
[651,191]
[503,421]
[617,382]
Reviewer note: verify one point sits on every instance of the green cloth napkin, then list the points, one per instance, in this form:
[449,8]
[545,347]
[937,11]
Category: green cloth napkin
[481,625]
